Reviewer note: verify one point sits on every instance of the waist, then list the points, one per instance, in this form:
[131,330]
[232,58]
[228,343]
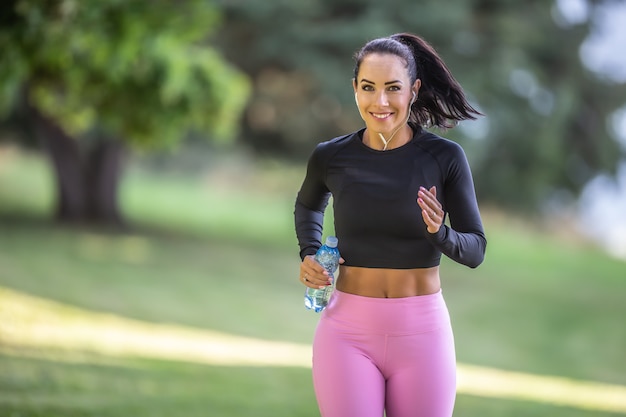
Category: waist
[392,316]
[388,283]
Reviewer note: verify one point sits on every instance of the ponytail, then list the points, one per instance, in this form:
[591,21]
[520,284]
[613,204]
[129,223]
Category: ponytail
[441,101]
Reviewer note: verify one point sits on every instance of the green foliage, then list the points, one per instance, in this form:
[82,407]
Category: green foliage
[548,116]
[545,128]
[140,70]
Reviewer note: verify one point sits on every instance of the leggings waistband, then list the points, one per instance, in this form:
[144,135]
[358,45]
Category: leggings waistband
[388,315]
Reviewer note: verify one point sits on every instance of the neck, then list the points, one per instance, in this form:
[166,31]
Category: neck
[383,141]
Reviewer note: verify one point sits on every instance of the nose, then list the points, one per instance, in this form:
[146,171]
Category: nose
[381,98]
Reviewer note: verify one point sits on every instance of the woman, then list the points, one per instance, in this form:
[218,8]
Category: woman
[384,343]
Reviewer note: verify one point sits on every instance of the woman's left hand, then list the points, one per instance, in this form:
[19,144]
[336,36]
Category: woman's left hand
[432,211]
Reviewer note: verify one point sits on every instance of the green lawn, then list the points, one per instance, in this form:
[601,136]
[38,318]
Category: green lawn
[217,252]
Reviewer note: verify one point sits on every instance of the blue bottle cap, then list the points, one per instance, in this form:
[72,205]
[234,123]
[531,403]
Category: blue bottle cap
[331,241]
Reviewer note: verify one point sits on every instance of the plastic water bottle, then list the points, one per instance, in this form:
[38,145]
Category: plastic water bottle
[328,256]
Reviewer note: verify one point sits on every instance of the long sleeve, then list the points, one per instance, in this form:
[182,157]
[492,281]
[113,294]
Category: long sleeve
[310,205]
[464,241]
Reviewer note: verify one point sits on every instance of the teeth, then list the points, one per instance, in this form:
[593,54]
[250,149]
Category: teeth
[381,116]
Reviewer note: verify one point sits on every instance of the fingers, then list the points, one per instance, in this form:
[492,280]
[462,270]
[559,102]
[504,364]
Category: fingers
[432,224]
[428,199]
[432,211]
[312,274]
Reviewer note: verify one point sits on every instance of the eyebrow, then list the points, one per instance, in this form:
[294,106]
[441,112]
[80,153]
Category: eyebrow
[387,83]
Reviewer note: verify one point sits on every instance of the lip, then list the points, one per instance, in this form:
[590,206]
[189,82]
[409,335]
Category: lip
[382,115]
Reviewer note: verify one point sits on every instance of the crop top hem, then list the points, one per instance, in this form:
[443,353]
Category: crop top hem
[395,265]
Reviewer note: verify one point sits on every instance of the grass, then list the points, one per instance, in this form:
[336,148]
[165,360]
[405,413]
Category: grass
[217,255]
[95,386]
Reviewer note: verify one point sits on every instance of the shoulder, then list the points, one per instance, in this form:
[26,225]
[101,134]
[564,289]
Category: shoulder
[440,148]
[327,149]
[448,154]
[336,142]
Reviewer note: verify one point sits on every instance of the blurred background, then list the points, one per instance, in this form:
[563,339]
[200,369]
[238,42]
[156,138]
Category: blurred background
[150,154]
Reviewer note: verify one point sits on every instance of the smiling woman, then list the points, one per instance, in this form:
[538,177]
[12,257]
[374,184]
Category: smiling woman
[393,185]
[385,105]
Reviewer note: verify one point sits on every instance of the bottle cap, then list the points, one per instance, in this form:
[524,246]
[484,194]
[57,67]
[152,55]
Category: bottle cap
[331,241]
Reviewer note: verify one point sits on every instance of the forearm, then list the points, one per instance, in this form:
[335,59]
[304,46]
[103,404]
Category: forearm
[467,248]
[309,224]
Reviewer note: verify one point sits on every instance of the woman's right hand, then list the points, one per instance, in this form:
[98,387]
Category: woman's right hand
[313,275]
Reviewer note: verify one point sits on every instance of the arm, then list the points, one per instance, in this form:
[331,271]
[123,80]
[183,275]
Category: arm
[310,205]
[464,241]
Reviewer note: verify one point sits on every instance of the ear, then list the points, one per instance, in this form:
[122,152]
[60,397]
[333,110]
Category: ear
[416,86]
[354,86]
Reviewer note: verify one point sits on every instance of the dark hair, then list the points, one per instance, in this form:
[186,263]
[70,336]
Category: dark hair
[441,101]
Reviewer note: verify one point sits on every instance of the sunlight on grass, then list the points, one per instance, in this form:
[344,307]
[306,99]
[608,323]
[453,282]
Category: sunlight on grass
[489,382]
[27,321]
[30,321]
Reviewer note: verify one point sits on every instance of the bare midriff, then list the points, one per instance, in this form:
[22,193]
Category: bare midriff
[388,283]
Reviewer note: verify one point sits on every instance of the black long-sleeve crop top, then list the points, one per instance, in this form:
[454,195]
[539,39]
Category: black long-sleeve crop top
[377,219]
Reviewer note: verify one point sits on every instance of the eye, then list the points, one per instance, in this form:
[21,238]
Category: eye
[394,88]
[367,87]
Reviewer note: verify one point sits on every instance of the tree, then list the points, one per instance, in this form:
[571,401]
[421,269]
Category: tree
[548,115]
[94,77]
[546,130]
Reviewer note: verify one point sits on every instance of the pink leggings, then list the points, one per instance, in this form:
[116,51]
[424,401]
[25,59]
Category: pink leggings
[384,354]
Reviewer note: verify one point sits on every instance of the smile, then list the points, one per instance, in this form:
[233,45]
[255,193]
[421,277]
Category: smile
[381,115]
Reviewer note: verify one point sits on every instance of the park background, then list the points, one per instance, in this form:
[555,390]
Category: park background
[150,153]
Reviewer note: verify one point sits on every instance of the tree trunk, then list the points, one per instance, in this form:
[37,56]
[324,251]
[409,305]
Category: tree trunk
[104,172]
[87,178]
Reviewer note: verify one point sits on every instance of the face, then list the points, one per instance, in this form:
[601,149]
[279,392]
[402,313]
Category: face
[384,92]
